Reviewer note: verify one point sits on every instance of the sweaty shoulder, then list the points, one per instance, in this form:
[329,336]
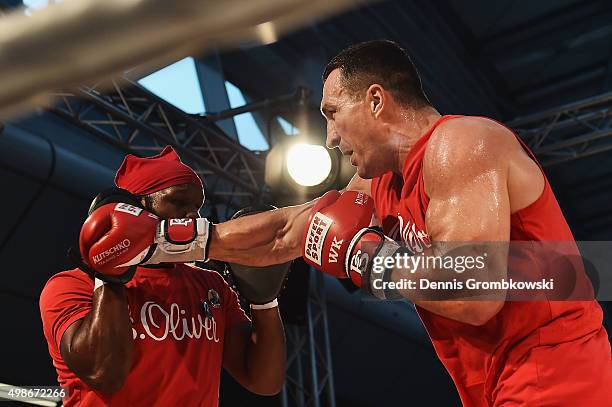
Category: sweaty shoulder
[468,138]
[464,147]
[473,146]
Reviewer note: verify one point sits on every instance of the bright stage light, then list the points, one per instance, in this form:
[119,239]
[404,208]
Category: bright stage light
[297,170]
[308,164]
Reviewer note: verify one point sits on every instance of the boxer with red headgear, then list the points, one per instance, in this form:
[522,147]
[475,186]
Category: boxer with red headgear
[160,335]
[120,234]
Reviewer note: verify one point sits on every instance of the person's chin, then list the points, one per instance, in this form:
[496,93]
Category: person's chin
[369,172]
[363,173]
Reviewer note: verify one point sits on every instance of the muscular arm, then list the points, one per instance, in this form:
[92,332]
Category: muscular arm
[256,357]
[266,238]
[99,347]
[271,237]
[466,176]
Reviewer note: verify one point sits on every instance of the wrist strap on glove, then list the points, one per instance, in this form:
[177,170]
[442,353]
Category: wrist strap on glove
[177,241]
[176,236]
[271,304]
[181,241]
[368,247]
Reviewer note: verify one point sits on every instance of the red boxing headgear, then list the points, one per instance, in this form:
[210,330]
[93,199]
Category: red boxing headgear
[143,176]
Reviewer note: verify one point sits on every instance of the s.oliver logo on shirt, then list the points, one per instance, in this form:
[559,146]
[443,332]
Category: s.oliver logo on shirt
[414,239]
[160,324]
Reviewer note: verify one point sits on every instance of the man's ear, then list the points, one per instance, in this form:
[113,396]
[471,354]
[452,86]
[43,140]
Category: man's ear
[375,98]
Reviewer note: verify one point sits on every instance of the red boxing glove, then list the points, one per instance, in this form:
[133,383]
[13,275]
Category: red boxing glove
[117,236]
[114,234]
[333,222]
[365,259]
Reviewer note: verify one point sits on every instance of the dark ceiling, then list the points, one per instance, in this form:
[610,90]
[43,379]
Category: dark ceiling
[503,59]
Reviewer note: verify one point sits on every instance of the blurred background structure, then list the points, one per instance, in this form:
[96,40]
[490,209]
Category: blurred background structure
[544,68]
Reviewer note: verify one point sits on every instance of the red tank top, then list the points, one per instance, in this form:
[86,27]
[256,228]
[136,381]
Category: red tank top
[536,353]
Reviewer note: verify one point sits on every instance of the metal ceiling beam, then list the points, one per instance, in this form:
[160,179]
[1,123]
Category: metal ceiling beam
[138,122]
[607,83]
[299,98]
[580,105]
[310,379]
[569,132]
[211,80]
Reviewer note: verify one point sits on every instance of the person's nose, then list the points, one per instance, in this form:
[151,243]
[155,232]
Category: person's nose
[332,140]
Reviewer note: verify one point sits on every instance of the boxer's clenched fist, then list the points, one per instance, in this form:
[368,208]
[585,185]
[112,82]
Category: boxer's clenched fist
[333,222]
[368,247]
[118,235]
[338,238]
[114,235]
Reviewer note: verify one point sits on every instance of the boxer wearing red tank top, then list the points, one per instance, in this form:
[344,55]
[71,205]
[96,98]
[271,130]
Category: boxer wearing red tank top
[443,178]
[538,353]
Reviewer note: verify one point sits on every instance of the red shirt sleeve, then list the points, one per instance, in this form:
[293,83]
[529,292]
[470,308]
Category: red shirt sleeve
[66,298]
[235,314]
